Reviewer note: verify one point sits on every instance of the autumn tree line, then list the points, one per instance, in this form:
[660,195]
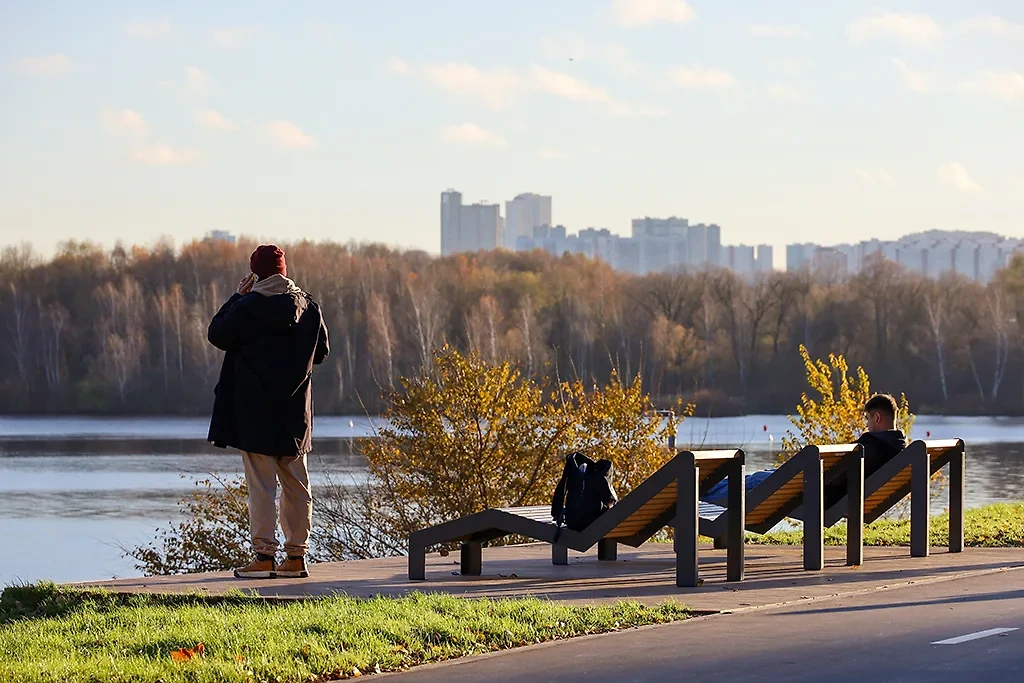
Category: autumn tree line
[123,331]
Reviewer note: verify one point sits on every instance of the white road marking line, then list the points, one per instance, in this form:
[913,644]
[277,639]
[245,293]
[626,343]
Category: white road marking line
[973,636]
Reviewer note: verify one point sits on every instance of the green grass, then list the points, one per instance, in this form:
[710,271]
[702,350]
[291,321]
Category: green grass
[994,526]
[54,634]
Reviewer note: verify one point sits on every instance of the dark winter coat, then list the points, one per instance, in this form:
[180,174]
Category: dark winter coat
[264,401]
[879,448]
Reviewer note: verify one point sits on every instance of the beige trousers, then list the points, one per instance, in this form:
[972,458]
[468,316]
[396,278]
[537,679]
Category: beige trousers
[262,473]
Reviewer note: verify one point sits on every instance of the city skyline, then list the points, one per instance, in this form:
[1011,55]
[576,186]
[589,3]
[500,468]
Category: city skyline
[830,122]
[674,244]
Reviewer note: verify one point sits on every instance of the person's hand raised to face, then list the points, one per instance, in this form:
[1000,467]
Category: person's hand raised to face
[245,284]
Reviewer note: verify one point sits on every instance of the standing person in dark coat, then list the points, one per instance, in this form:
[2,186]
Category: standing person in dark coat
[273,333]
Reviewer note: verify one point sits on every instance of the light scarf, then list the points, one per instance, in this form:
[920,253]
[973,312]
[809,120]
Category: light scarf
[275,284]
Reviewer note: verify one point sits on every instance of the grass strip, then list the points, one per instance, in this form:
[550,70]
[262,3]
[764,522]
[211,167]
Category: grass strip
[1000,525]
[54,634]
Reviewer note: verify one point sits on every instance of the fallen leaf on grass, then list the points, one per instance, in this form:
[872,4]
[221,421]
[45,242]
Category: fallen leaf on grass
[183,654]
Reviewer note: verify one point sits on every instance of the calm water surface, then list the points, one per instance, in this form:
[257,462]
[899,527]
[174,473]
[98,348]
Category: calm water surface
[74,491]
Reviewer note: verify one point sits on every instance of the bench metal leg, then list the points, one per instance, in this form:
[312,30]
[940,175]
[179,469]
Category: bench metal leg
[920,500]
[417,561]
[686,523]
[814,514]
[957,469]
[472,559]
[607,550]
[721,542]
[855,509]
[735,538]
[559,554]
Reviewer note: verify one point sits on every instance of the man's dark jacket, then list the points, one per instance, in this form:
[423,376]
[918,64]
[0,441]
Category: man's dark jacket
[264,401]
[879,448]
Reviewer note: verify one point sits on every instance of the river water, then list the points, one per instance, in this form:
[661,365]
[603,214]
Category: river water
[74,491]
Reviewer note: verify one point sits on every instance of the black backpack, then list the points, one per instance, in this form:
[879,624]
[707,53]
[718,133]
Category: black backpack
[583,493]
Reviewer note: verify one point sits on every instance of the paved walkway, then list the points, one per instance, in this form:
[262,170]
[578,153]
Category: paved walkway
[774,575]
[967,629]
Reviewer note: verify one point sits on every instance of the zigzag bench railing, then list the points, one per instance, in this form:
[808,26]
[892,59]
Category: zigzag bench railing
[795,487]
[653,505]
[910,472]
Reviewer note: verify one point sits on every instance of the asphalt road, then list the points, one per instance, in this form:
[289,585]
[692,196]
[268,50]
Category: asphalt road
[885,636]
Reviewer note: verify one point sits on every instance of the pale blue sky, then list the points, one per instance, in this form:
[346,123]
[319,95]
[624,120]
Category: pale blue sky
[782,121]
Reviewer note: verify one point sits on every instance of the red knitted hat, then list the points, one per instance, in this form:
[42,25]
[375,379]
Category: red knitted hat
[267,260]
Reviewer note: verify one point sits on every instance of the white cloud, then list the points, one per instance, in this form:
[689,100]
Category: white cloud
[1005,85]
[918,81]
[165,155]
[916,29]
[124,121]
[500,87]
[149,30]
[213,119]
[552,153]
[496,88]
[197,81]
[767,31]
[397,65]
[643,12]
[993,25]
[232,36]
[49,65]
[782,92]
[701,77]
[636,110]
[286,134]
[875,177]
[953,176]
[565,86]
[794,63]
[471,134]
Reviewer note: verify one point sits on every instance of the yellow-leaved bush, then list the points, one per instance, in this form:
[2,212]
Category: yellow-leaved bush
[473,435]
[836,414]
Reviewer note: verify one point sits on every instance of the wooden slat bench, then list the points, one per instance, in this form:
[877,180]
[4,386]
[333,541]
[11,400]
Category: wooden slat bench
[799,484]
[670,496]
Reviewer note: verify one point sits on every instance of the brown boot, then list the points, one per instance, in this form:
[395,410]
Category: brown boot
[293,568]
[257,569]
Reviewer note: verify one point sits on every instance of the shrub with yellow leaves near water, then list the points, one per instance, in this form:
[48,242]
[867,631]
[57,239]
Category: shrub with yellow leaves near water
[837,414]
[472,435]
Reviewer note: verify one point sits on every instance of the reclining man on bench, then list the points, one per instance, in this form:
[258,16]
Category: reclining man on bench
[882,442]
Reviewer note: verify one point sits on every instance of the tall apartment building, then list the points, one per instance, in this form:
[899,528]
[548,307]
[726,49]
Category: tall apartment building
[468,227]
[524,213]
[704,246]
[740,259]
[975,255]
[656,245]
[451,228]
[764,261]
[221,236]
[830,261]
[798,256]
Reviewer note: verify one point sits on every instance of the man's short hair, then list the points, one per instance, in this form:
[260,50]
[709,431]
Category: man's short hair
[882,403]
